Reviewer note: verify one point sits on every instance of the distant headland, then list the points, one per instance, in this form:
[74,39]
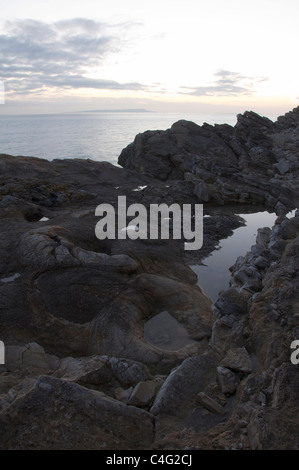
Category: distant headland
[138,110]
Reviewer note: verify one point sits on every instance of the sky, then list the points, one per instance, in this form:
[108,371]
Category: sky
[164,55]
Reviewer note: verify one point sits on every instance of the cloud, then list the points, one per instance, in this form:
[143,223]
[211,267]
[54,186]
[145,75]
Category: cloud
[227,83]
[35,56]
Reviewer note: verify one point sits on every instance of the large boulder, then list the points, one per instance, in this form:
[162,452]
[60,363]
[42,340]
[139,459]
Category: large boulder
[76,417]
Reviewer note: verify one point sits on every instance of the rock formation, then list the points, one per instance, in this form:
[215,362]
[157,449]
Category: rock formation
[221,163]
[79,372]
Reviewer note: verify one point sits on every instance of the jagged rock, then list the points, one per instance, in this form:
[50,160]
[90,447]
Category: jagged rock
[228,380]
[247,273]
[210,404]
[76,417]
[202,192]
[48,247]
[127,372]
[184,382]
[237,359]
[231,302]
[235,159]
[31,355]
[123,395]
[283,167]
[143,393]
[261,262]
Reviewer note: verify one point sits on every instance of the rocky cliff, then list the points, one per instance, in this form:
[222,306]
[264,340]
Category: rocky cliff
[256,161]
[79,372]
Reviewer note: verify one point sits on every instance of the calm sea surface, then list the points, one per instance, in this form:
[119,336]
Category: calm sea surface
[99,136]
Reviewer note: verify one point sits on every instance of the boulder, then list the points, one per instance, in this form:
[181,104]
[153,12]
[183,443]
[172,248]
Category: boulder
[237,359]
[76,417]
[228,380]
[184,383]
[210,404]
[30,356]
[143,393]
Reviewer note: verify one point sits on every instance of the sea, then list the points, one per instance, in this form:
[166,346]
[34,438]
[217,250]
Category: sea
[98,136]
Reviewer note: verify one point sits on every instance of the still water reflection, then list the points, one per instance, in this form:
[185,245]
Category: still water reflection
[214,275]
[163,331]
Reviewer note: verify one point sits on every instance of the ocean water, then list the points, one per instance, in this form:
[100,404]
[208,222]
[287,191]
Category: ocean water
[98,136]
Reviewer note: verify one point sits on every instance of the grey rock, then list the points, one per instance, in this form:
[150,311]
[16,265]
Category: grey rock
[75,415]
[283,167]
[228,380]
[231,302]
[127,372]
[237,359]
[239,159]
[261,262]
[210,404]
[143,393]
[247,273]
[202,192]
[47,247]
[30,356]
[123,395]
[263,237]
[184,382]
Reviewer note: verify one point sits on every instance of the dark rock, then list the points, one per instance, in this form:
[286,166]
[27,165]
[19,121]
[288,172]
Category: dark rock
[143,393]
[237,360]
[228,380]
[210,404]
[231,302]
[235,159]
[183,383]
[107,422]
[283,167]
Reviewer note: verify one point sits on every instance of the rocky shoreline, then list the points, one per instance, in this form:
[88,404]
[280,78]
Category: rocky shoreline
[73,308]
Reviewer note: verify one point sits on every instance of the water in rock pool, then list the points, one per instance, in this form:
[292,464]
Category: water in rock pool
[166,332]
[214,275]
[163,331]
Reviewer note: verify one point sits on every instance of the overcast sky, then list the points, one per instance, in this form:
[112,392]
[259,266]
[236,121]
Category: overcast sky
[162,55]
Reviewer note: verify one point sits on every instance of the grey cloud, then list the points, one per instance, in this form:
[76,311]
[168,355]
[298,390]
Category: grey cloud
[225,73]
[35,41]
[26,29]
[35,55]
[77,81]
[40,82]
[227,83]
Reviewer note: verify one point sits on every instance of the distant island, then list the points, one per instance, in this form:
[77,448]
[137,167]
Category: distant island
[138,110]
